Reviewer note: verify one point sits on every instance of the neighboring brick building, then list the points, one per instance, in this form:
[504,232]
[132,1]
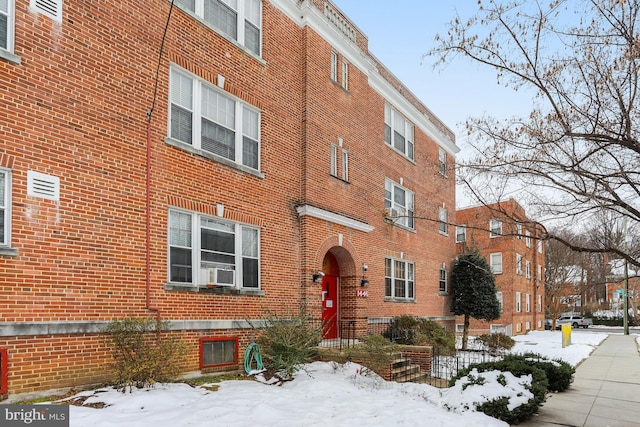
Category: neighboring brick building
[507,238]
[270,146]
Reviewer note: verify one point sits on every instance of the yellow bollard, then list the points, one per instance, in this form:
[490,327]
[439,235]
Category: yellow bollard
[566,334]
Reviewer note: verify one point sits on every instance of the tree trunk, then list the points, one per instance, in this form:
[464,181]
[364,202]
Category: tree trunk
[465,332]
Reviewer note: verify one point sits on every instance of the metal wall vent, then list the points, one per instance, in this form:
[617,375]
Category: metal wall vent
[51,8]
[43,186]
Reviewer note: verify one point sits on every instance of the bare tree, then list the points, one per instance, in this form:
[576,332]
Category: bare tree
[577,152]
[561,270]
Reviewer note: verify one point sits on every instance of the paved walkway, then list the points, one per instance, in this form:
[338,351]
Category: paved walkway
[605,391]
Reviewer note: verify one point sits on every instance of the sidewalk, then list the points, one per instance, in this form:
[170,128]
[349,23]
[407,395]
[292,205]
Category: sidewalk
[605,391]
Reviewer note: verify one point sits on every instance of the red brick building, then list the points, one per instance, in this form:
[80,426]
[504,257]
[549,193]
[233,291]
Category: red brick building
[507,238]
[204,174]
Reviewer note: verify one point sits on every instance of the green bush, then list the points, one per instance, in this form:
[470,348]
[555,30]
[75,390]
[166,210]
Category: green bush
[559,373]
[410,330]
[374,352]
[288,341]
[497,408]
[142,354]
[496,343]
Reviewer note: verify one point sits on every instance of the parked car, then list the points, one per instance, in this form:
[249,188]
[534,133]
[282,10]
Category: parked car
[548,323]
[575,321]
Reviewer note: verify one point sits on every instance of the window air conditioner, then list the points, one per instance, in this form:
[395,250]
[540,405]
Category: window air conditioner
[217,276]
[391,213]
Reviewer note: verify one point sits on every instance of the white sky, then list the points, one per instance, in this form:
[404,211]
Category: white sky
[324,395]
[401,33]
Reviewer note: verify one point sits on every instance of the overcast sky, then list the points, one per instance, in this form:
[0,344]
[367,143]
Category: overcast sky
[400,33]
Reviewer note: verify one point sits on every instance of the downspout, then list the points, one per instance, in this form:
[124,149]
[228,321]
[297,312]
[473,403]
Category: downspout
[148,305]
[148,226]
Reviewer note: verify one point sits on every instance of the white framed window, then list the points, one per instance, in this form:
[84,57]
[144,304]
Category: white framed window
[443,280]
[334,66]
[239,20]
[398,204]
[527,238]
[527,302]
[7,18]
[539,303]
[495,228]
[539,244]
[495,261]
[399,279]
[459,328]
[443,225]
[500,301]
[5,207]
[527,326]
[518,264]
[205,250]
[442,162]
[50,8]
[345,75]
[539,272]
[461,233]
[398,132]
[528,269]
[519,231]
[518,302]
[496,329]
[212,121]
[339,162]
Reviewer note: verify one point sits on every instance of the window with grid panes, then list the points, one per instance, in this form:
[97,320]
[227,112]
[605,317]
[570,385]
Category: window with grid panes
[398,132]
[399,279]
[398,203]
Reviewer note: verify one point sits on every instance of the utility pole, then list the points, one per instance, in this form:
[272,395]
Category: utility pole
[626,281]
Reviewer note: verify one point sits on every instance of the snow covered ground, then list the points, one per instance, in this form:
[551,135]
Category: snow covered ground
[324,394]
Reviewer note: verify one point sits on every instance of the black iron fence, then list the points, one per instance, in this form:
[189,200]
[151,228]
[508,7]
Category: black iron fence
[436,366]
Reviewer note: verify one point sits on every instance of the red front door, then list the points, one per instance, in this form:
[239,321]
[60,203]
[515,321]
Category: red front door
[329,307]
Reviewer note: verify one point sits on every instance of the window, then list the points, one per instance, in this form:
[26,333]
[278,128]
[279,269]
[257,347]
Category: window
[527,326]
[518,302]
[539,303]
[345,75]
[499,298]
[528,269]
[218,352]
[496,329]
[398,132]
[519,264]
[225,253]
[343,158]
[539,244]
[399,279]
[527,304]
[519,231]
[495,228]
[459,327]
[334,66]
[495,261]
[218,124]
[527,239]
[442,161]
[239,20]
[442,216]
[461,233]
[443,280]
[539,272]
[5,207]
[6,25]
[398,204]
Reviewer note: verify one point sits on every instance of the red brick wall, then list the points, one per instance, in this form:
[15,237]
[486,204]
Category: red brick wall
[508,282]
[76,108]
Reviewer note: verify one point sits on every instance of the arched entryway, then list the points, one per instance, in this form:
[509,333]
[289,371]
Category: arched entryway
[338,291]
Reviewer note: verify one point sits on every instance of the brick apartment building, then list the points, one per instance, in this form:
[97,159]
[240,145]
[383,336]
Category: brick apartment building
[204,174]
[507,238]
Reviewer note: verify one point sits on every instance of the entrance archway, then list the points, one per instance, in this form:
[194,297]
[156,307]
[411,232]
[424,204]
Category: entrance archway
[338,291]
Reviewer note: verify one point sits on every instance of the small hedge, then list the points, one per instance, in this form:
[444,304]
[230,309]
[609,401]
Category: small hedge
[497,408]
[559,373]
[410,330]
[496,343]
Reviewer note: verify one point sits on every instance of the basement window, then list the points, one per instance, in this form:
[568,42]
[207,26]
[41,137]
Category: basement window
[219,351]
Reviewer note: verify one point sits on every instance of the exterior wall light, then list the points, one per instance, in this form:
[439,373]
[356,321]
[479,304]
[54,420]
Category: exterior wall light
[317,277]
